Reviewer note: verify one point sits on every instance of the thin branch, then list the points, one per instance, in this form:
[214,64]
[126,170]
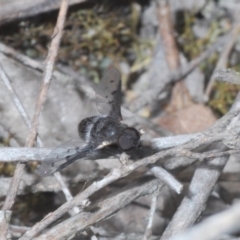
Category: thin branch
[168,178]
[48,70]
[150,95]
[26,119]
[20,57]
[222,61]
[166,33]
[81,198]
[41,100]
[220,130]
[148,231]
[14,96]
[23,154]
[188,68]
[16,101]
[194,202]
[106,208]
[173,141]
[202,184]
[13,188]
[5,217]
[39,154]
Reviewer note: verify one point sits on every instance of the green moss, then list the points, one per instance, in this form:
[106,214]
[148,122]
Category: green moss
[6,169]
[223,97]
[91,41]
[189,43]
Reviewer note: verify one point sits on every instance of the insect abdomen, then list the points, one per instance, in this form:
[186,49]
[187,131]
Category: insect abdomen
[85,126]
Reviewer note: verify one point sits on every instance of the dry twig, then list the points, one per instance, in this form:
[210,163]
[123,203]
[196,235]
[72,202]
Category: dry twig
[222,130]
[39,154]
[41,99]
[151,95]
[105,208]
[194,202]
[20,57]
[5,217]
[14,185]
[192,205]
[166,32]
[170,180]
[148,231]
[80,199]
[222,61]
[201,186]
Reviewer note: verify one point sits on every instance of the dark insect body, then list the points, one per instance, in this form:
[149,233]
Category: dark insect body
[102,136]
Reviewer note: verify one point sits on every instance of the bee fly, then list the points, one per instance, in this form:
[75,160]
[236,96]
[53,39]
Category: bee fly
[100,134]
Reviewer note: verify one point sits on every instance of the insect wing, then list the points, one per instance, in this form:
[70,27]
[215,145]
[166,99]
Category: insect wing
[108,94]
[62,156]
